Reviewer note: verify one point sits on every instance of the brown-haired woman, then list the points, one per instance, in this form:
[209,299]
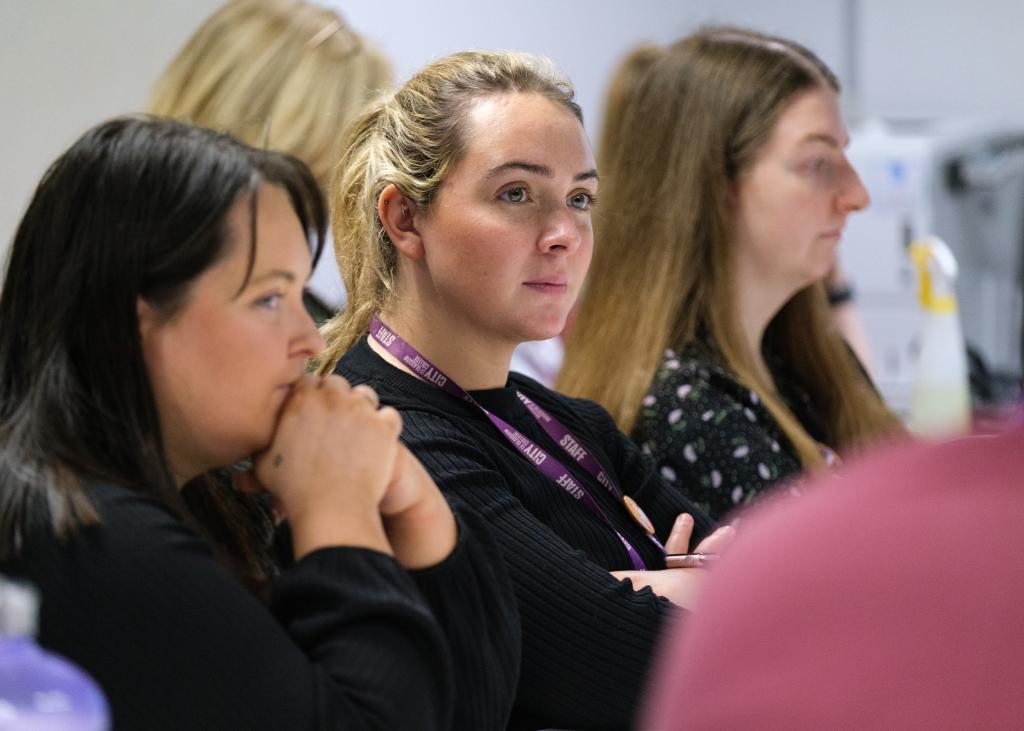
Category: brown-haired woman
[727,191]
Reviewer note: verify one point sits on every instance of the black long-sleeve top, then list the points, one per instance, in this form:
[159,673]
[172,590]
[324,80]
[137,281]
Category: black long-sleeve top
[712,436]
[587,637]
[348,640]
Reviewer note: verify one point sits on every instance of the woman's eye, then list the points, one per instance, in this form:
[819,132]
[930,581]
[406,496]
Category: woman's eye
[820,166]
[583,201]
[514,195]
[270,301]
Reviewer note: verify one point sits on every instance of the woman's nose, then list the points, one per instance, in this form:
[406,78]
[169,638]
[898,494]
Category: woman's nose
[561,231]
[854,196]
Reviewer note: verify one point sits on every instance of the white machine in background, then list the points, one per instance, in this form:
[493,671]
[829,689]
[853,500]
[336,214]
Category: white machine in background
[961,181]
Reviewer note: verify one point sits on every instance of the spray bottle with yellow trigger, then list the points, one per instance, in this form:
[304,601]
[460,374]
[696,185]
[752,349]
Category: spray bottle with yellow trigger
[940,402]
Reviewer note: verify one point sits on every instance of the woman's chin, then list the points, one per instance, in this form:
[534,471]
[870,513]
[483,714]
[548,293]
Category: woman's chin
[548,326]
[542,333]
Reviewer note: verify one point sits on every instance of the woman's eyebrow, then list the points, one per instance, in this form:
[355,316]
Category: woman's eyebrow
[273,274]
[536,169]
[520,165]
[825,139]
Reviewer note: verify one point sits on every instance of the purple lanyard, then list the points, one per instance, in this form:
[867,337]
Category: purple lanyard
[534,453]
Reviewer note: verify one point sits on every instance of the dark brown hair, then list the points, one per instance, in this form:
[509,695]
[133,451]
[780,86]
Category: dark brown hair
[135,209]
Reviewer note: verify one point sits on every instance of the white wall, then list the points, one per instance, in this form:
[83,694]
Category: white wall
[67,64]
[586,39]
[927,58]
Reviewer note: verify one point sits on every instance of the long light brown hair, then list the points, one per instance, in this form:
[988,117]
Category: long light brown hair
[694,123]
[412,139]
[619,97]
[289,75]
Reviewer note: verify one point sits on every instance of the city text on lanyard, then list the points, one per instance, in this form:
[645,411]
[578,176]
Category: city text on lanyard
[534,453]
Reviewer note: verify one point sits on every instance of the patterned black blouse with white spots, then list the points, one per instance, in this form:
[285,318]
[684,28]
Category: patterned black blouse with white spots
[711,436]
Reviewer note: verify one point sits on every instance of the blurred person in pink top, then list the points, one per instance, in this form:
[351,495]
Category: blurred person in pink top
[890,597]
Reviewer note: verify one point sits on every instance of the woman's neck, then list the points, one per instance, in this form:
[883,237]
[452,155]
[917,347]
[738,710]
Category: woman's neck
[757,302]
[453,347]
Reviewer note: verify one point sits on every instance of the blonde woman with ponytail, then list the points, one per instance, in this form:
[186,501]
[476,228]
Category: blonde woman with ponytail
[462,211]
[727,191]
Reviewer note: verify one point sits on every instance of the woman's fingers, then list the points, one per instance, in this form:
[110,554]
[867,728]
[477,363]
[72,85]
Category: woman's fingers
[329,436]
[368,393]
[330,462]
[717,541]
[679,539]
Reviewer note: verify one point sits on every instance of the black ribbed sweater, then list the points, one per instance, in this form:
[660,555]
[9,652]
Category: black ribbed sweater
[587,638]
[349,641]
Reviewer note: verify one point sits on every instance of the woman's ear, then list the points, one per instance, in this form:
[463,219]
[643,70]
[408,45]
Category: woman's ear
[732,193]
[148,318]
[397,214]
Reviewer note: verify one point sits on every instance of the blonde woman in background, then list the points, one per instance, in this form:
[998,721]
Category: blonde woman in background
[462,211]
[288,75]
[727,191]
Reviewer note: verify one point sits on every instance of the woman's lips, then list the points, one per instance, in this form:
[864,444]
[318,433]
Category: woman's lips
[548,286]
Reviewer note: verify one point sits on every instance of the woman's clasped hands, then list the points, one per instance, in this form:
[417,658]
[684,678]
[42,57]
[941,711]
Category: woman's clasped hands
[337,472]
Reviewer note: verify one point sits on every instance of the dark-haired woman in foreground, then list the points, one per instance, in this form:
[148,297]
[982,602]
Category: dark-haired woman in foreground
[152,330]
